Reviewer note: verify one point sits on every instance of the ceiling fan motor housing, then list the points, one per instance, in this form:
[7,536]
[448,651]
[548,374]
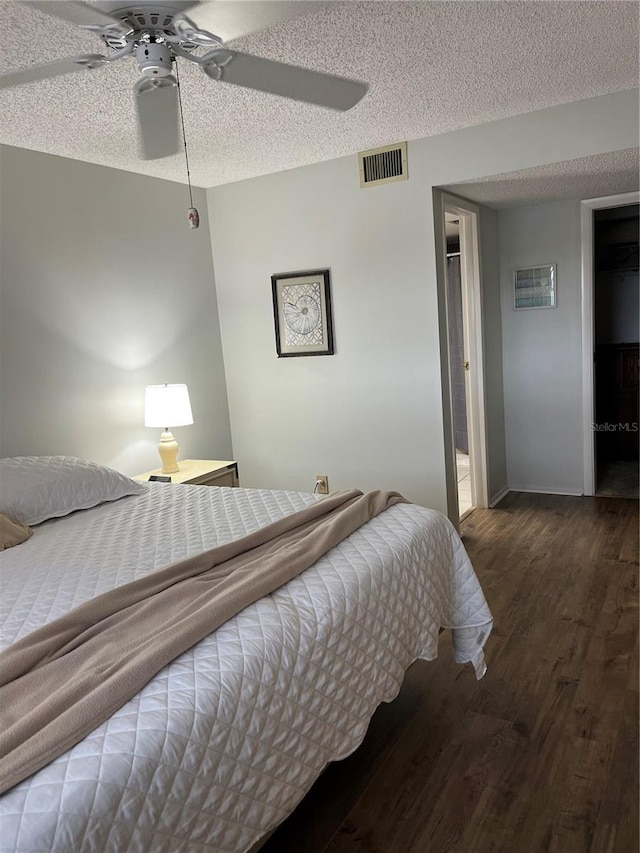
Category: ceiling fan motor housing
[154,59]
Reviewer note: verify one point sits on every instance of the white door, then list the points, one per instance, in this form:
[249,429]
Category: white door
[466,213]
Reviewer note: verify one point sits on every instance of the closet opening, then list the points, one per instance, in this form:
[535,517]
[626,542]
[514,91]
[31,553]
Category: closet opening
[616,355]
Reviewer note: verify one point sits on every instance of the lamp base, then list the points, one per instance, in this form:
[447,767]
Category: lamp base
[168,450]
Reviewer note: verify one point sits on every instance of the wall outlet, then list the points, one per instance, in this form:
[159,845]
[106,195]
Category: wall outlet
[322,484]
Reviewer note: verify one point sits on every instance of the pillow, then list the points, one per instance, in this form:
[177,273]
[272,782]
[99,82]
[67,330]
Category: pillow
[11,533]
[34,488]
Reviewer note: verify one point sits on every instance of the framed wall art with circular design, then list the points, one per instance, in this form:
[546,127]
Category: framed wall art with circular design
[302,313]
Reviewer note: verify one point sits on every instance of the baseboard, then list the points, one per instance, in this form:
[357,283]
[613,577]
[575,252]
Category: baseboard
[498,497]
[576,493]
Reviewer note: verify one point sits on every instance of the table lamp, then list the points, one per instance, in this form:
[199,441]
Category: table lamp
[167,406]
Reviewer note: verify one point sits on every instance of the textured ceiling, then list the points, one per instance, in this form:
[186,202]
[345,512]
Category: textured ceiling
[432,67]
[585,177]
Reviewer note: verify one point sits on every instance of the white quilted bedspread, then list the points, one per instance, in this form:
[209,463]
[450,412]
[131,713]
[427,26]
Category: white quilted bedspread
[223,743]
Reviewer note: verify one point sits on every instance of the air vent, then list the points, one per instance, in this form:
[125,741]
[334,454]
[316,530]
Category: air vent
[383,165]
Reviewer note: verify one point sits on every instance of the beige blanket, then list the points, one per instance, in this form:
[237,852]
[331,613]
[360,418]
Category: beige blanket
[63,680]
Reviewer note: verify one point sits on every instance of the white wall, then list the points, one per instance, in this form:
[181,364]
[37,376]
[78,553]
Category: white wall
[104,290]
[542,361]
[371,415]
[352,415]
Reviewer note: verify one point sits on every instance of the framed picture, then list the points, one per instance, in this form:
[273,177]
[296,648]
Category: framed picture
[534,287]
[302,313]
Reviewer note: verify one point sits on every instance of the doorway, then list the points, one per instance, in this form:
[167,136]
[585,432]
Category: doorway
[610,321]
[458,363]
[462,355]
[616,362]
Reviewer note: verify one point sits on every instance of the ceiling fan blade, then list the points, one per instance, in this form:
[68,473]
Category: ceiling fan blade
[51,69]
[230,19]
[278,78]
[157,104]
[78,13]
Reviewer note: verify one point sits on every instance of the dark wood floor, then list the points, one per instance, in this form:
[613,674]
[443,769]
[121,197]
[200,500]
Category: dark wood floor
[542,754]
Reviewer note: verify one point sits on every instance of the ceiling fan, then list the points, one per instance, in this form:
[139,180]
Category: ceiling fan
[157,33]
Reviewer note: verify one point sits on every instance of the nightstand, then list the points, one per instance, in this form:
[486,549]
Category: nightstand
[200,472]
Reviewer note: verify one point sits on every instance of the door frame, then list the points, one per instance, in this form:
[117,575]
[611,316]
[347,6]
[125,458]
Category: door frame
[587,207]
[471,281]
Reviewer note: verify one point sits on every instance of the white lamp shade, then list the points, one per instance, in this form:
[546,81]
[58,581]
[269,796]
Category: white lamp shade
[167,406]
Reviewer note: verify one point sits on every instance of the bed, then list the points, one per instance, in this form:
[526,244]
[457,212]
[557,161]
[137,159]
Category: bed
[220,746]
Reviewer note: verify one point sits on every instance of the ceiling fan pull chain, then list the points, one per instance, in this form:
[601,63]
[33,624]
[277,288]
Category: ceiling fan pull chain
[192,214]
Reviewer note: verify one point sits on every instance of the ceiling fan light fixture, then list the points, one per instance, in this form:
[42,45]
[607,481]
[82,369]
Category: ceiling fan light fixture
[154,59]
